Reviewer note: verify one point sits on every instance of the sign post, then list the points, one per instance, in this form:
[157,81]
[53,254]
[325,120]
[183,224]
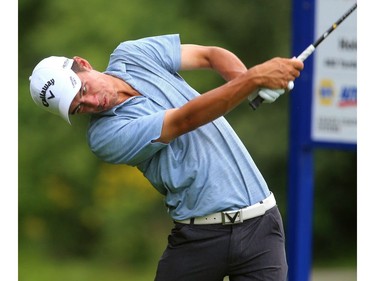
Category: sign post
[323,107]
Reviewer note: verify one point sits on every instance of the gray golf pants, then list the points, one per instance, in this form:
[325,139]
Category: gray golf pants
[253,250]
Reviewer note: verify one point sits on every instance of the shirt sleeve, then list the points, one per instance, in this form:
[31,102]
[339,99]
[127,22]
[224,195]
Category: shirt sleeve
[165,50]
[126,141]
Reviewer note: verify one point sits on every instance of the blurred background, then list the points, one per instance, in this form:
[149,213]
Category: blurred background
[82,219]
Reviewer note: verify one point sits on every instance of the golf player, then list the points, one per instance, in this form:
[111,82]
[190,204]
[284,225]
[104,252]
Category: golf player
[143,114]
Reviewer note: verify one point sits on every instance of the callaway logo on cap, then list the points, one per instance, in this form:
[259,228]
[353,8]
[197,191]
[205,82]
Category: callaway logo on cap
[53,85]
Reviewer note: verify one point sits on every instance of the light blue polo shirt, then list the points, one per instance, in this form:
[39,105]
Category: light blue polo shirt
[201,172]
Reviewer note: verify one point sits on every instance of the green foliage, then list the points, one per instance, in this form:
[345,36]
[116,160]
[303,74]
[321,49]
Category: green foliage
[336,204]
[71,205]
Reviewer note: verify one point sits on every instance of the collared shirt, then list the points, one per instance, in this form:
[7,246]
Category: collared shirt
[201,172]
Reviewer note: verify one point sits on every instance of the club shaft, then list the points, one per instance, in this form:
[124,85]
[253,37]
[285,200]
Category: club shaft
[335,25]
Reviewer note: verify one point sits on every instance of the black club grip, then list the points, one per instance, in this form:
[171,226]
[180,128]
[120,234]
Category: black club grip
[256,102]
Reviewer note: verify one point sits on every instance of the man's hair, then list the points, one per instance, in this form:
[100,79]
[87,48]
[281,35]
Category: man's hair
[76,67]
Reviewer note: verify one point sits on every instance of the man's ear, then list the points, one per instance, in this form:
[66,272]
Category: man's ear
[82,62]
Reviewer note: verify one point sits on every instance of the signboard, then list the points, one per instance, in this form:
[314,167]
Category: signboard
[334,100]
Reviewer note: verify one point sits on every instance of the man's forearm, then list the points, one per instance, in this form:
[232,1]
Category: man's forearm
[227,64]
[207,107]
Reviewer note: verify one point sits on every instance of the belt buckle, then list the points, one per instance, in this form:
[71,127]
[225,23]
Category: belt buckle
[231,217]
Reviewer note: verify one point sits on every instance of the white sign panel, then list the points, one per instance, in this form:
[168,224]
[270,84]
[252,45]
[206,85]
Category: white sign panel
[334,102]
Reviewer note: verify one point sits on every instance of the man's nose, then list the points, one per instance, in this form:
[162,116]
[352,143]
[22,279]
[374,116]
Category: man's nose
[90,100]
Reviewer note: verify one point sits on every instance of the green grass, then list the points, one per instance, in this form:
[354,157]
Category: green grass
[36,266]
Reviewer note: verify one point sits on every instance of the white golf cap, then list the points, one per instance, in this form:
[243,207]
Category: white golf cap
[53,85]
